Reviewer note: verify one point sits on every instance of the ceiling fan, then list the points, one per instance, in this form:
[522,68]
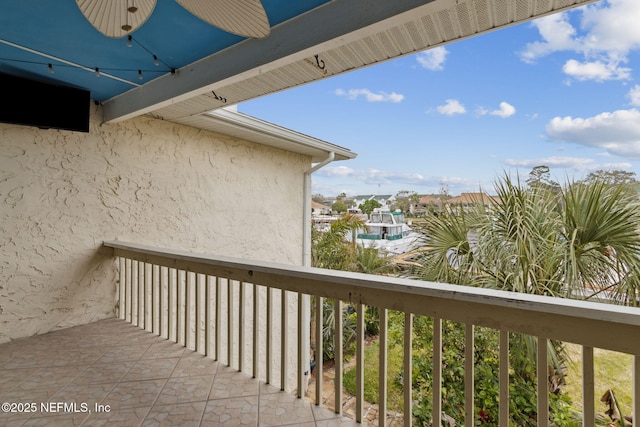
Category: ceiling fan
[118,18]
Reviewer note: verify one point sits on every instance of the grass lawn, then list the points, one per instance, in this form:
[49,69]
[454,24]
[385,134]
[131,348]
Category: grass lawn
[612,371]
[371,364]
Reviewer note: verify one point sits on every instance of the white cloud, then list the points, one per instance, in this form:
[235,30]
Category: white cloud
[505,110]
[618,132]
[596,70]
[433,59]
[634,95]
[577,163]
[604,35]
[337,171]
[353,94]
[612,26]
[557,34]
[380,177]
[451,107]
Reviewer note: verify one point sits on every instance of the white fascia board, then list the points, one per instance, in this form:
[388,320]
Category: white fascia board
[294,140]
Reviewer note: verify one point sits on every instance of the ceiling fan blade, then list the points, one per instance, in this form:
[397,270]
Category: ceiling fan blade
[245,18]
[116,18]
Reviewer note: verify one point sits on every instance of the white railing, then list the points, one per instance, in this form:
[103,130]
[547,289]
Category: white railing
[224,308]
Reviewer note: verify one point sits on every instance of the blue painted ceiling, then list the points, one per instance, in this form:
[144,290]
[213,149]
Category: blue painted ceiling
[36,33]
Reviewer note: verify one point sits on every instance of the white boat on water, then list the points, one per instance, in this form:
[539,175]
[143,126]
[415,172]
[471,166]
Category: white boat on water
[388,232]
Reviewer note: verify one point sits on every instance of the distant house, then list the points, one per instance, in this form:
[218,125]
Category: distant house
[319,208]
[427,203]
[471,199]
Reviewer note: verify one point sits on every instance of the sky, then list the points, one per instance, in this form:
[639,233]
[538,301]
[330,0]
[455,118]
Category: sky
[561,91]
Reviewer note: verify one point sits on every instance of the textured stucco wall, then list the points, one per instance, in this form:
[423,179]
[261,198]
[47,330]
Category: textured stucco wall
[146,181]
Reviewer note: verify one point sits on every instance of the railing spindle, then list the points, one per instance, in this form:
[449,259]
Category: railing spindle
[407,372]
[142,288]
[503,408]
[207,316]
[543,381]
[269,334]
[588,387]
[436,413]
[301,350]
[135,292]
[256,330]
[229,321]
[360,362]
[284,340]
[197,302]
[382,380]
[181,305]
[164,303]
[218,321]
[337,354]
[319,353]
[187,309]
[122,271]
[157,300]
[129,303]
[175,304]
[636,388]
[241,326]
[468,375]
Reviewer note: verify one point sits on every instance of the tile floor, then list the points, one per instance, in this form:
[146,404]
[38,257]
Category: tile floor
[113,373]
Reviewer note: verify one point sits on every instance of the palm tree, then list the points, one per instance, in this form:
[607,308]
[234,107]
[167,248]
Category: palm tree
[331,249]
[581,241]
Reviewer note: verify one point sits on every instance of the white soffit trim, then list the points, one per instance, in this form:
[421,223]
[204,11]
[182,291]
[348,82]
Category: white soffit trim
[227,121]
[344,35]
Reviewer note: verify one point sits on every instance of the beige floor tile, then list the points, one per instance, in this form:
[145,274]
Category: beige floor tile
[283,408]
[104,372]
[233,385]
[53,420]
[164,349]
[51,377]
[11,377]
[180,415]
[134,394]
[320,413]
[339,422]
[185,389]
[123,417]
[124,352]
[236,411]
[148,369]
[196,365]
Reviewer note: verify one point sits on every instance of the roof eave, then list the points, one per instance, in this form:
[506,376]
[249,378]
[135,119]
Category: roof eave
[230,122]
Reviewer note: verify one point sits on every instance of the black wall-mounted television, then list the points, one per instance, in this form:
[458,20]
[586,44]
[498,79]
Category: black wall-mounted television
[30,102]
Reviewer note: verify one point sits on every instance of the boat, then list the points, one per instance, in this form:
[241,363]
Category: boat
[388,232]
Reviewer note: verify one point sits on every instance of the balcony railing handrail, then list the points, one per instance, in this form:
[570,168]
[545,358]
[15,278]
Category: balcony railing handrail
[581,322]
